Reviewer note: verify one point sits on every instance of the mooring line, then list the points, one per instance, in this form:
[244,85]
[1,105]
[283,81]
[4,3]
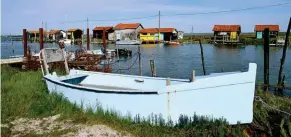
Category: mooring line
[259,99]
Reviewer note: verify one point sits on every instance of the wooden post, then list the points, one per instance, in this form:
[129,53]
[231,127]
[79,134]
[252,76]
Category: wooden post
[152,63]
[104,41]
[266,58]
[88,39]
[280,89]
[202,57]
[40,38]
[66,63]
[139,62]
[44,62]
[193,76]
[24,37]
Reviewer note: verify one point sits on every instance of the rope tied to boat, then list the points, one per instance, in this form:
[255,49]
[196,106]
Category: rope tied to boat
[130,66]
[259,99]
[120,60]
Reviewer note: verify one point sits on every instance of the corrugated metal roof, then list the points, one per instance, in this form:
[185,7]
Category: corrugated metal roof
[271,27]
[101,28]
[226,28]
[127,26]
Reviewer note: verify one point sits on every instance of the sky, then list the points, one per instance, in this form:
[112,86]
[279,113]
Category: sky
[64,14]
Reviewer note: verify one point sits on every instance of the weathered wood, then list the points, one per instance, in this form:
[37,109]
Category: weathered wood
[11,61]
[193,76]
[24,36]
[152,64]
[266,57]
[280,82]
[88,39]
[168,81]
[40,38]
[202,57]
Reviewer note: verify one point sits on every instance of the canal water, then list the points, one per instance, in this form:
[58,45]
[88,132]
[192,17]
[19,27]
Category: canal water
[179,61]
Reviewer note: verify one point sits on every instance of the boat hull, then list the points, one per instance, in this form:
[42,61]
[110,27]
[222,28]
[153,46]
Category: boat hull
[231,97]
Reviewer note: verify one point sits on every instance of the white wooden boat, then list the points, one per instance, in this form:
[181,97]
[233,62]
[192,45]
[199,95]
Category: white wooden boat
[220,95]
[128,42]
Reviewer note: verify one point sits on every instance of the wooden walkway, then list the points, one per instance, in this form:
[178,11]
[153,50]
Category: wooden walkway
[11,61]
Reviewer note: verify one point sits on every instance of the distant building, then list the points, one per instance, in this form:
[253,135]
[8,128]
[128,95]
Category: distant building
[169,34]
[152,34]
[34,34]
[98,32]
[226,33]
[180,34]
[274,31]
[127,31]
[56,34]
[74,33]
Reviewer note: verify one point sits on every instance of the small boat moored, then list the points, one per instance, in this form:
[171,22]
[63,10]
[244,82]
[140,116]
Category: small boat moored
[220,95]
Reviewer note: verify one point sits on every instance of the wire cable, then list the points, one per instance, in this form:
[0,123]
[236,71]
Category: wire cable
[233,10]
[182,14]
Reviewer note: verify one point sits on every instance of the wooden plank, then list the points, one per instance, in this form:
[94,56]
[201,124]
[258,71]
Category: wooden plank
[11,61]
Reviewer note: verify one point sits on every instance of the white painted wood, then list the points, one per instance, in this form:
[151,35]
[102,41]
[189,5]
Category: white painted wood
[227,95]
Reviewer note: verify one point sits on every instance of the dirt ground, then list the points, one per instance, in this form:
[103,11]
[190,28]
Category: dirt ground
[50,126]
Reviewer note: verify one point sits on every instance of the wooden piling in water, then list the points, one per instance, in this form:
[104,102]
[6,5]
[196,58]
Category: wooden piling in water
[88,39]
[139,62]
[202,57]
[24,37]
[152,63]
[40,38]
[266,57]
[280,81]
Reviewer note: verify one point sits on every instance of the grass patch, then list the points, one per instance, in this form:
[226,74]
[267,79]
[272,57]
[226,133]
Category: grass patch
[24,94]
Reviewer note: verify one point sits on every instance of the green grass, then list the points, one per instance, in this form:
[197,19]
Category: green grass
[24,94]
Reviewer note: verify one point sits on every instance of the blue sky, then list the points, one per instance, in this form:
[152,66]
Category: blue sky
[29,14]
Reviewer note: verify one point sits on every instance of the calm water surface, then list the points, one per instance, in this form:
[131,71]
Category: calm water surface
[179,61]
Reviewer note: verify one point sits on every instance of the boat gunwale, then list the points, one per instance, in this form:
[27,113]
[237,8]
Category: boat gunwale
[134,76]
[96,90]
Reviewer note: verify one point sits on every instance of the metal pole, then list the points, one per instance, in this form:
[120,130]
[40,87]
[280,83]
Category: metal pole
[159,26]
[266,58]
[24,37]
[40,38]
[139,62]
[202,57]
[283,59]
[88,39]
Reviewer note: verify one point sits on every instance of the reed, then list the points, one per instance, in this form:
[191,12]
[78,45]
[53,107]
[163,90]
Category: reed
[24,94]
